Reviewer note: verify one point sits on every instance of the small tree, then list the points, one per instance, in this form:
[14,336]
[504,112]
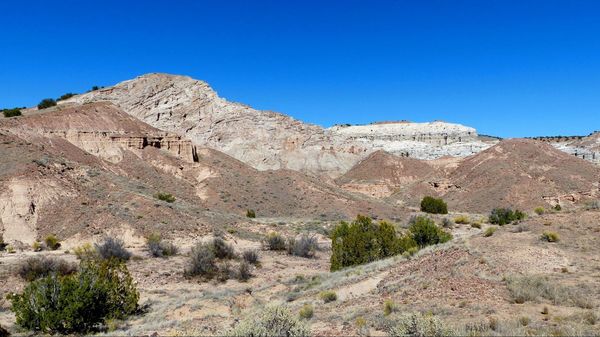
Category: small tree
[425,232]
[433,205]
[11,112]
[46,103]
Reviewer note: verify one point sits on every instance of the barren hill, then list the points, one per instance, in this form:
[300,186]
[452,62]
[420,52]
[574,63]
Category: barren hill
[521,173]
[92,168]
[269,140]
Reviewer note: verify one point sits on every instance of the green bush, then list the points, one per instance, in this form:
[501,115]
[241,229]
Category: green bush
[328,296]
[363,241]
[503,216]
[78,303]
[275,241]
[52,242]
[550,237]
[11,112]
[272,321]
[433,205]
[250,213]
[41,266]
[306,312]
[539,210]
[167,197]
[65,96]
[557,208]
[46,103]
[425,232]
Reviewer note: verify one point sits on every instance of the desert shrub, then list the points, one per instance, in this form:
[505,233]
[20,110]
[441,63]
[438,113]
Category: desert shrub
[476,225]
[328,296]
[524,320]
[113,248]
[447,223]
[251,256]
[65,96]
[52,242]
[389,307]
[10,249]
[489,231]
[363,241]
[85,251]
[425,232]
[167,197]
[419,325]
[78,303]
[526,288]
[275,241]
[202,261]
[306,312]
[41,266]
[11,112]
[160,248]
[306,246]
[46,103]
[250,213]
[550,237]
[243,273]
[433,205]
[503,216]
[272,321]
[539,210]
[557,208]
[2,243]
[36,246]
[462,219]
[592,205]
[222,249]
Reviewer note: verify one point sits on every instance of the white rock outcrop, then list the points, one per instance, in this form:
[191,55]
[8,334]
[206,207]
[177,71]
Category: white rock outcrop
[269,140]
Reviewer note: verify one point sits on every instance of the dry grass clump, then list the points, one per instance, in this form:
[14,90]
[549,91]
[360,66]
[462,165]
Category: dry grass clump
[534,288]
[489,231]
[417,324]
[328,296]
[41,266]
[160,248]
[306,312]
[272,321]
[113,248]
[306,246]
[550,237]
[462,219]
[274,241]
[251,256]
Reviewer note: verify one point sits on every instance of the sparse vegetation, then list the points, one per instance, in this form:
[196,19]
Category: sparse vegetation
[306,246]
[447,223]
[462,219]
[328,296]
[557,208]
[251,256]
[212,259]
[433,205]
[272,321]
[533,288]
[52,242]
[113,248]
[85,251]
[250,214]
[489,231]
[476,225]
[592,205]
[166,197]
[274,241]
[222,249]
[65,96]
[46,103]
[389,307]
[419,325]
[539,210]
[306,312]
[244,273]
[550,237]
[202,261]
[160,248]
[37,267]
[503,216]
[11,112]
[77,303]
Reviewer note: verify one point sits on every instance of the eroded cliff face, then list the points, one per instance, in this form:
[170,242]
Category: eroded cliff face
[100,129]
[269,140]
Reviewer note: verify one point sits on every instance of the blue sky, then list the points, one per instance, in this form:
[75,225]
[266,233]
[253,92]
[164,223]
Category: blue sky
[507,68]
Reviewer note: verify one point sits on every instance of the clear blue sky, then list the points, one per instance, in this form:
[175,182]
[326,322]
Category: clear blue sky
[508,68]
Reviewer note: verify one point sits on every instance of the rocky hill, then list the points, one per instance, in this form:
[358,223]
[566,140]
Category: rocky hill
[269,140]
[90,169]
